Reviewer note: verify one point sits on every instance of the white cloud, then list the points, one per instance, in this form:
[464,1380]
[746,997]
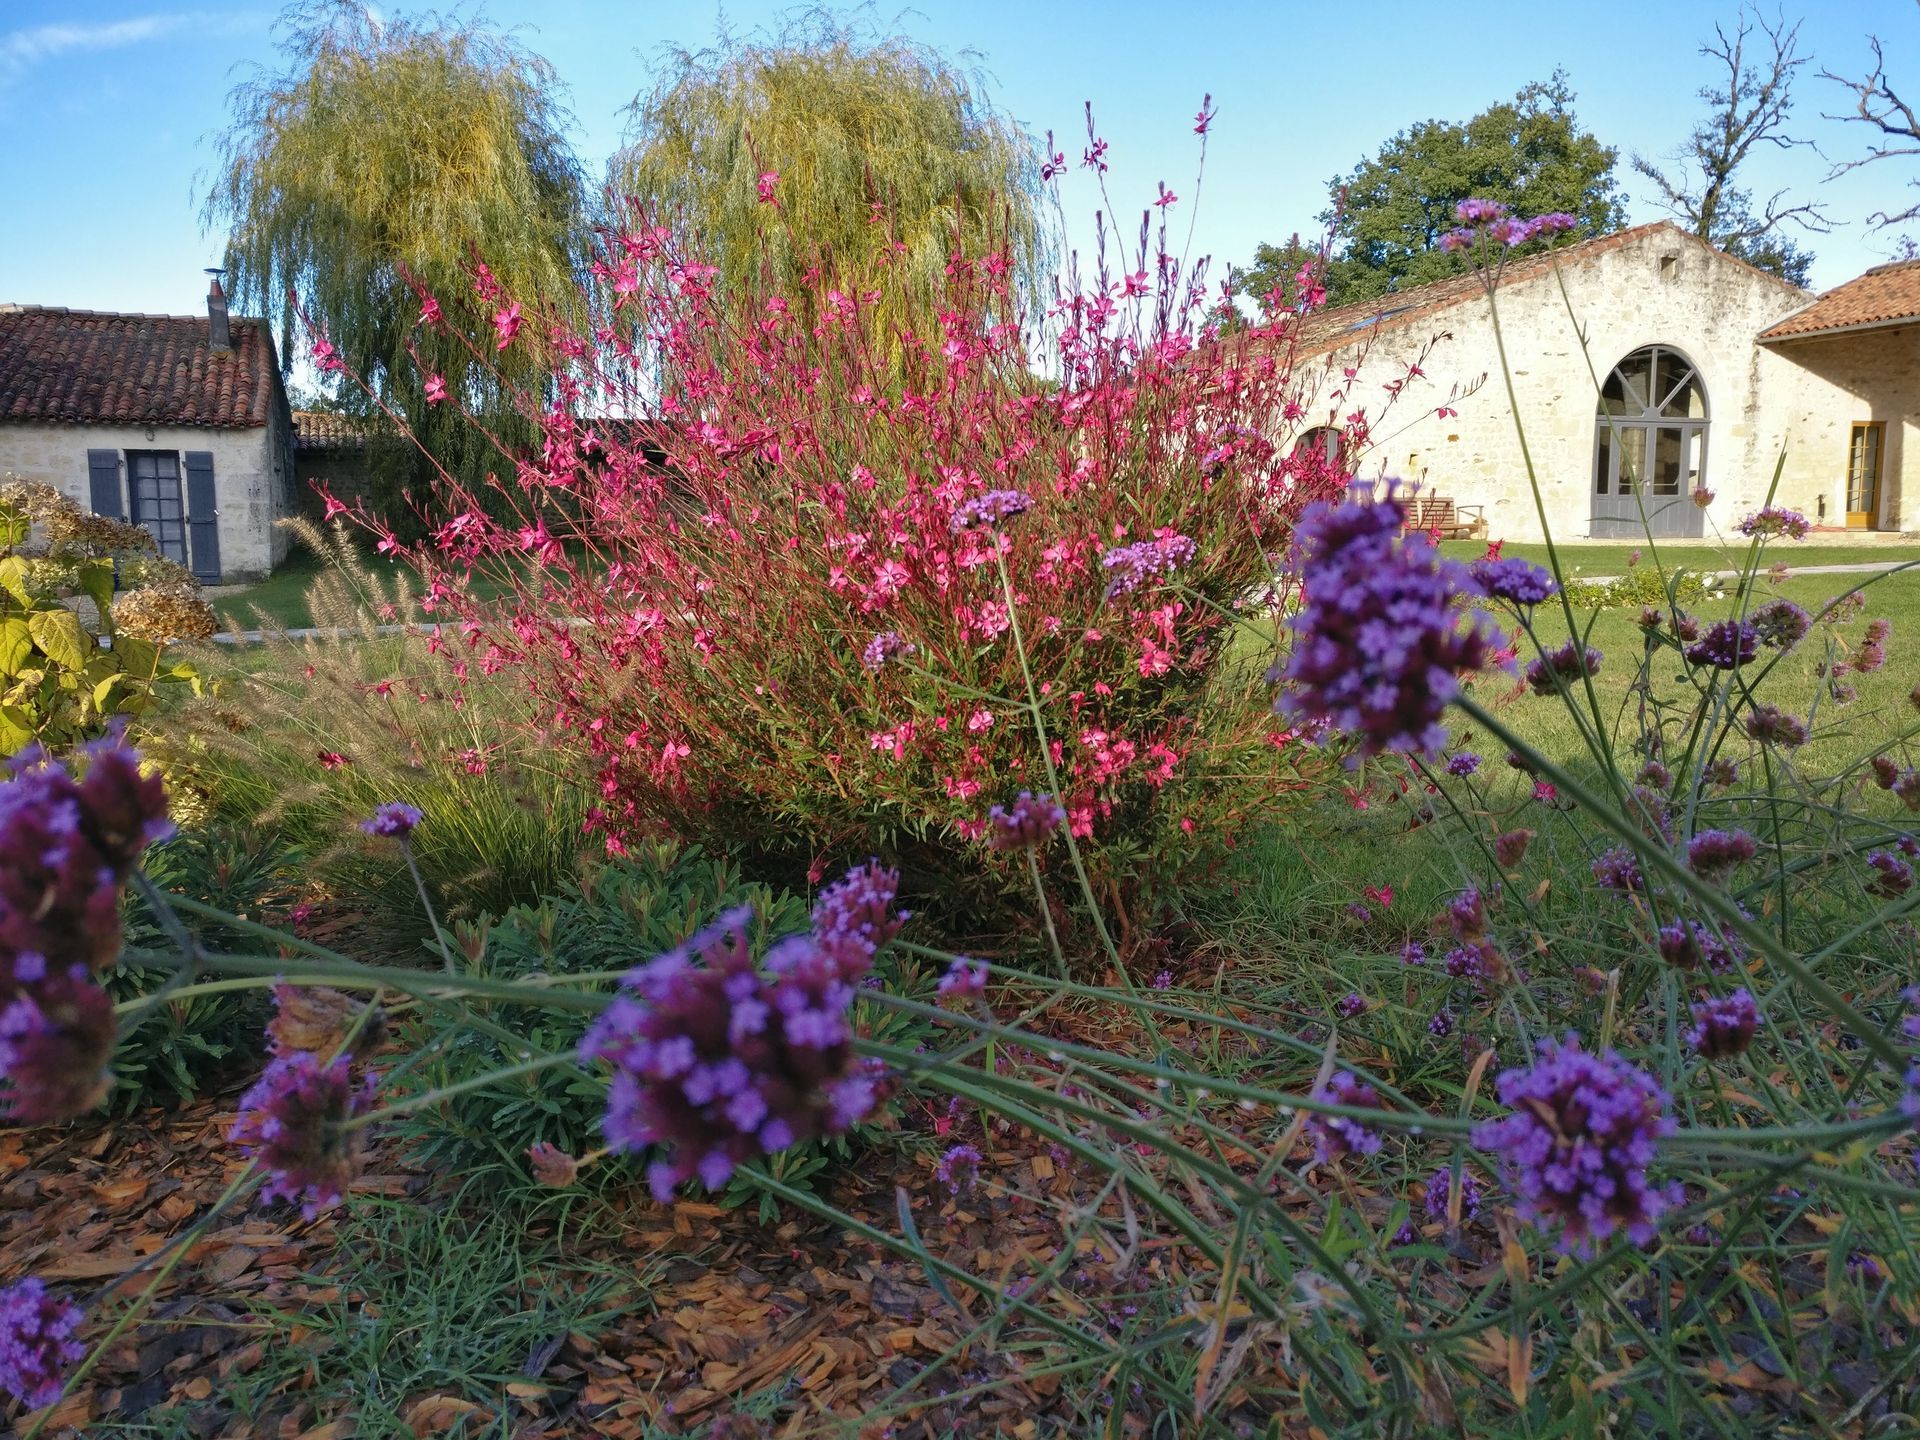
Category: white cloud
[21,50]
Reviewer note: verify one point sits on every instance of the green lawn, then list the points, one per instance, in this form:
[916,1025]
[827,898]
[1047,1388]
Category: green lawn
[1611,558]
[284,596]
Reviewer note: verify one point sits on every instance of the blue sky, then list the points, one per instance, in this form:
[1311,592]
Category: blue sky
[108,110]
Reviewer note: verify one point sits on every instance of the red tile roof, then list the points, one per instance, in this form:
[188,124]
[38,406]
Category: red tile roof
[1331,330]
[325,430]
[1885,295]
[86,367]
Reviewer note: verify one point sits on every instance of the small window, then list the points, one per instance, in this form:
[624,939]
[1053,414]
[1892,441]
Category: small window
[1669,266]
[153,479]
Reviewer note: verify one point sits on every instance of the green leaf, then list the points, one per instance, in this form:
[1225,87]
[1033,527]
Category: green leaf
[16,644]
[62,637]
[16,728]
[14,526]
[138,656]
[96,581]
[13,579]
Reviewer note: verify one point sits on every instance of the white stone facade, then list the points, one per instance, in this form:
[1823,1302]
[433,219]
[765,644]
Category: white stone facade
[252,474]
[1652,286]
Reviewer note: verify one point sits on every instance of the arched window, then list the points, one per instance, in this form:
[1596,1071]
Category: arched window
[1650,446]
[1324,444]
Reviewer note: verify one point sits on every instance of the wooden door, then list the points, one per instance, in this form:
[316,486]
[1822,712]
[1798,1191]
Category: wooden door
[1864,449]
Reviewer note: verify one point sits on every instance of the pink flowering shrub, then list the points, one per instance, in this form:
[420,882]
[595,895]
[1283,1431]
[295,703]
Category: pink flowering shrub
[783,607]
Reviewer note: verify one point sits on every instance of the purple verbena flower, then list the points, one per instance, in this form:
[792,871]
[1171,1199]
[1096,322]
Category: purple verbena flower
[1686,944]
[1510,847]
[1413,953]
[1349,1005]
[1713,853]
[56,1040]
[965,979]
[1467,915]
[294,1123]
[1463,764]
[1618,869]
[1727,645]
[1562,667]
[1025,824]
[855,916]
[885,646]
[1135,565]
[37,1344]
[1775,520]
[1893,877]
[1440,1024]
[1577,1144]
[1477,211]
[1517,581]
[1724,1025]
[1380,641]
[1439,1189]
[991,509]
[1771,725]
[959,1168]
[1337,1135]
[1780,624]
[395,819]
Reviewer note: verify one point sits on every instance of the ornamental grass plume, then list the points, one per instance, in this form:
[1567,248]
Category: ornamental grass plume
[1381,639]
[1578,1143]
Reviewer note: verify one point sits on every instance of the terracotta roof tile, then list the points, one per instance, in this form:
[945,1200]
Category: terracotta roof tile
[325,430]
[1331,330]
[87,367]
[1885,295]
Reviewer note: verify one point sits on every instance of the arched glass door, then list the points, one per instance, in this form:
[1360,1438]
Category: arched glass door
[1650,447]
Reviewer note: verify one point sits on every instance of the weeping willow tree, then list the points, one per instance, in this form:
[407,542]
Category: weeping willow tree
[866,143]
[397,148]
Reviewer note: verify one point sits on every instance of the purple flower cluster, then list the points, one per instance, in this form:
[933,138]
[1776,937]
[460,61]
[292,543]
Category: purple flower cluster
[1026,824]
[1724,1025]
[1490,218]
[1349,1005]
[959,1168]
[1893,877]
[722,1063]
[1713,853]
[395,820]
[991,509]
[1337,1135]
[1463,764]
[1771,725]
[1439,1188]
[1510,847]
[1578,1142]
[1618,869]
[1413,953]
[1134,565]
[1515,580]
[1379,641]
[66,848]
[1775,520]
[883,647]
[1562,667]
[1686,944]
[1781,624]
[294,1122]
[37,1345]
[1727,645]
[965,979]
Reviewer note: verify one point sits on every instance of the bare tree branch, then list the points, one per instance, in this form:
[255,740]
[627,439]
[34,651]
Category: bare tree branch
[1878,105]
[1748,105]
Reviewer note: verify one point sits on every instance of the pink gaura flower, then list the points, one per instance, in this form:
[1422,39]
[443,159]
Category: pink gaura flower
[764,185]
[506,322]
[436,389]
[429,310]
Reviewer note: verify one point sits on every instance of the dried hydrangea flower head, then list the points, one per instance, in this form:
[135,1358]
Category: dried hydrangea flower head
[1380,640]
[1578,1142]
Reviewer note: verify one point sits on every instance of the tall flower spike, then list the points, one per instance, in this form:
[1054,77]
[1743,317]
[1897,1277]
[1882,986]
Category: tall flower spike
[1380,641]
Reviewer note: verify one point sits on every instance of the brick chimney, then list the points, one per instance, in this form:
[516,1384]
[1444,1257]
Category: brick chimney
[219,333]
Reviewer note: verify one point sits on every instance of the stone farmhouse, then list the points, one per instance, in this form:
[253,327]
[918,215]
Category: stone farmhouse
[1697,372]
[178,423]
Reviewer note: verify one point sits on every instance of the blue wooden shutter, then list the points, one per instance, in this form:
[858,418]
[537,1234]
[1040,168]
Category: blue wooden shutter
[103,484]
[203,518]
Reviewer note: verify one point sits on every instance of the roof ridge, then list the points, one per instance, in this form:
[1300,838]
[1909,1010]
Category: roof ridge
[16,307]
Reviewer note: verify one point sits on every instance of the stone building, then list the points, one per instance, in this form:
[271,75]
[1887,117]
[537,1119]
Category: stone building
[1697,373]
[178,423]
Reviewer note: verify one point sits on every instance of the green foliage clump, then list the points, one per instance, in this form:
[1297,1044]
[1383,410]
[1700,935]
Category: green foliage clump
[1638,587]
[595,930]
[63,680]
[1386,218]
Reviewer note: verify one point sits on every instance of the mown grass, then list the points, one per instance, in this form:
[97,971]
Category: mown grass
[1590,558]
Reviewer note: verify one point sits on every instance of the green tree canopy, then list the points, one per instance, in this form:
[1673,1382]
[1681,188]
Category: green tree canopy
[875,141]
[392,148]
[1387,217]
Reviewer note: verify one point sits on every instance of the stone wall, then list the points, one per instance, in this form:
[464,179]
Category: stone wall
[1663,288]
[1824,385]
[252,476]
